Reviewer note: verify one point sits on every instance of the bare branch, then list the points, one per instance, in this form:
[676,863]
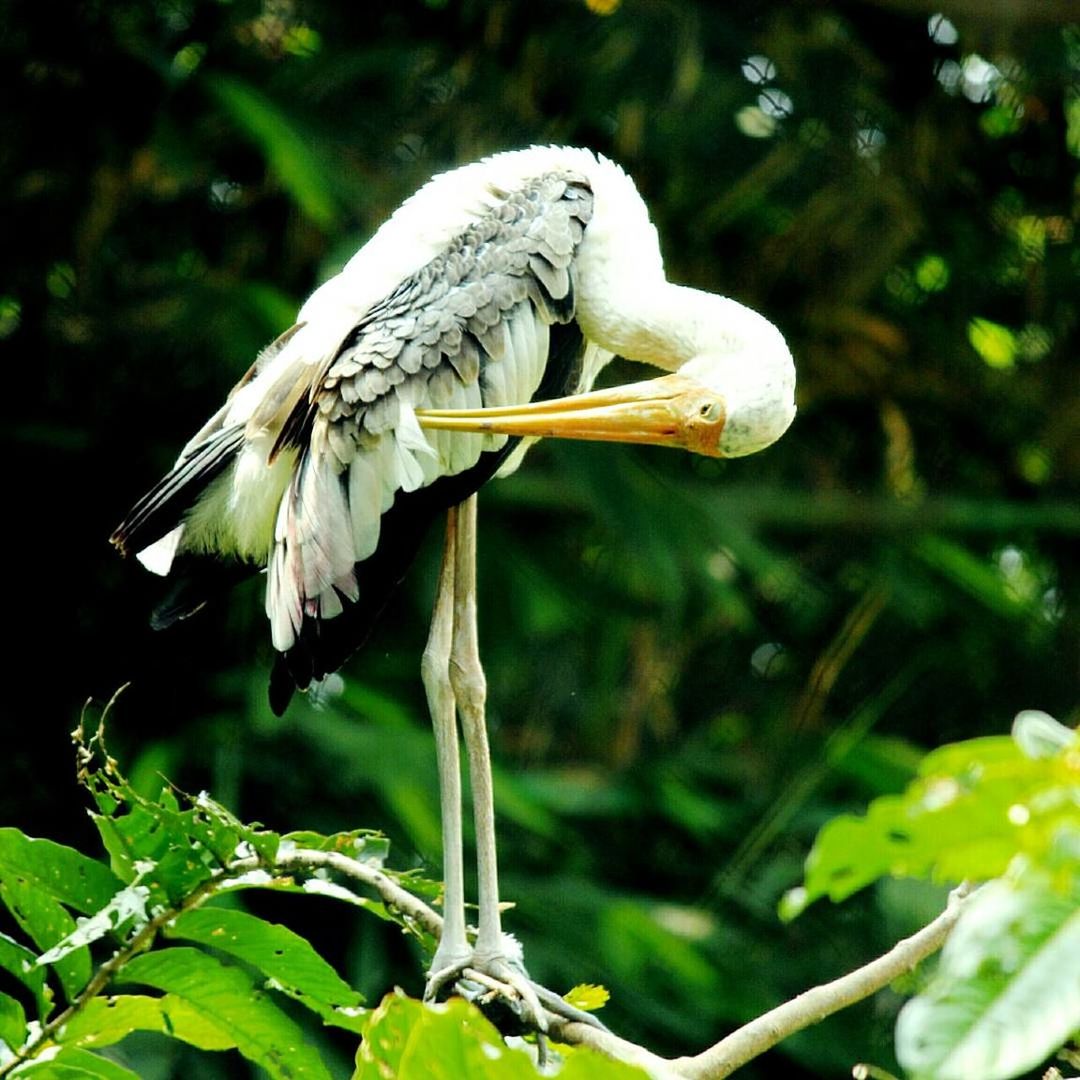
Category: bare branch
[776,1025]
[389,890]
[724,1057]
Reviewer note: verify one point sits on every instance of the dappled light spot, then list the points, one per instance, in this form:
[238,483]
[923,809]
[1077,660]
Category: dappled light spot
[932,273]
[225,193]
[948,74]
[869,141]
[775,103]
[187,59]
[758,70]
[941,30]
[1034,342]
[10,315]
[978,78]
[995,344]
[722,566]
[753,122]
[1033,463]
[60,280]
[768,661]
[940,792]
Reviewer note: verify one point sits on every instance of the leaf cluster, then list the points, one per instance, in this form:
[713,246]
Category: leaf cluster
[1006,811]
[154,942]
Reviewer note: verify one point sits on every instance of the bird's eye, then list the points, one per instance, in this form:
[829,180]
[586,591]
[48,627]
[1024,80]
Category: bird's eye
[710,411]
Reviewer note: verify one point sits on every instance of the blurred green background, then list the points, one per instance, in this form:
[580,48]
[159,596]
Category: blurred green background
[692,664]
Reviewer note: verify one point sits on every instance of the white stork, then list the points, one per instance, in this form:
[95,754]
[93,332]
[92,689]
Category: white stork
[480,312]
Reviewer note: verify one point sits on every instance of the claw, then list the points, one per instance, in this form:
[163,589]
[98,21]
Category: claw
[438,980]
[500,986]
[505,983]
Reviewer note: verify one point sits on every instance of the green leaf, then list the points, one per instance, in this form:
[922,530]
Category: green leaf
[12,1022]
[1007,991]
[409,1040]
[77,1065]
[19,961]
[47,922]
[70,877]
[106,1020]
[226,996]
[286,149]
[583,1064]
[364,845]
[289,962]
[172,851]
[125,912]
[973,808]
[588,996]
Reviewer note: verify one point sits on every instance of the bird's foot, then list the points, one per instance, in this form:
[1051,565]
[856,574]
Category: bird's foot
[500,986]
[497,982]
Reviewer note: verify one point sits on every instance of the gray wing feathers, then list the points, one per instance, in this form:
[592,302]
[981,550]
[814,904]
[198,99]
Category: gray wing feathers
[470,329]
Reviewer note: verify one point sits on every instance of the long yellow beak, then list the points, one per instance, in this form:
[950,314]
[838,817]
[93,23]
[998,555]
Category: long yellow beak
[672,410]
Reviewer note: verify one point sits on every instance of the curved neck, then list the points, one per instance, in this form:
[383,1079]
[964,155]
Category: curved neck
[670,325]
[719,342]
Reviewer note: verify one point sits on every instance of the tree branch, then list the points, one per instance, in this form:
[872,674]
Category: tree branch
[390,891]
[732,1052]
[773,1027]
[720,1060]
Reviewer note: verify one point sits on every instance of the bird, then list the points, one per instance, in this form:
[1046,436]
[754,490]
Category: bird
[473,321]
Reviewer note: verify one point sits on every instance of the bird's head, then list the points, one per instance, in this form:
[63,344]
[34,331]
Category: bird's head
[751,379]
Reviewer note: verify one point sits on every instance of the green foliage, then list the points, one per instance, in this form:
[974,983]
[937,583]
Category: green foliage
[284,145]
[1007,991]
[172,855]
[680,696]
[290,964]
[411,1041]
[222,978]
[975,807]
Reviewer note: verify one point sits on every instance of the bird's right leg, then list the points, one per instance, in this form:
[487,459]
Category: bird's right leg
[454,949]
[454,680]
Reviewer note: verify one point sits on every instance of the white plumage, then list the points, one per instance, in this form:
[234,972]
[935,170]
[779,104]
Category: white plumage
[479,313]
[450,306]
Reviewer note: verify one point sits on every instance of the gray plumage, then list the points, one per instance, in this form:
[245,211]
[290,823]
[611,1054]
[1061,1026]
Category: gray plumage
[469,328]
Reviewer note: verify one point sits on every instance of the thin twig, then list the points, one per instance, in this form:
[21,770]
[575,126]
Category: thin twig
[773,1027]
[142,941]
[717,1062]
[412,907]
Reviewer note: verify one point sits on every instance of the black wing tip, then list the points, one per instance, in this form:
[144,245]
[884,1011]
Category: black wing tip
[282,685]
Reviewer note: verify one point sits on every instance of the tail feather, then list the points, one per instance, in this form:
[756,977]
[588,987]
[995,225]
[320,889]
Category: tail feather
[163,506]
[197,579]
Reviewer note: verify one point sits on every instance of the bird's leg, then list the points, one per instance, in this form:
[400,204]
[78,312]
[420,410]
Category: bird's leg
[454,949]
[470,690]
[454,679]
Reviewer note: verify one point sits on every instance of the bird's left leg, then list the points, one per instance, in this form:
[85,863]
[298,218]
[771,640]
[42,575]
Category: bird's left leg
[491,954]
[452,670]
[454,949]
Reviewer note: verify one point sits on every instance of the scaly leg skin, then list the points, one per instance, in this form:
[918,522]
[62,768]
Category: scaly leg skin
[453,674]
[454,949]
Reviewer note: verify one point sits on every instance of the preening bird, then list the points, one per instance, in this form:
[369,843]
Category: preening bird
[476,318]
